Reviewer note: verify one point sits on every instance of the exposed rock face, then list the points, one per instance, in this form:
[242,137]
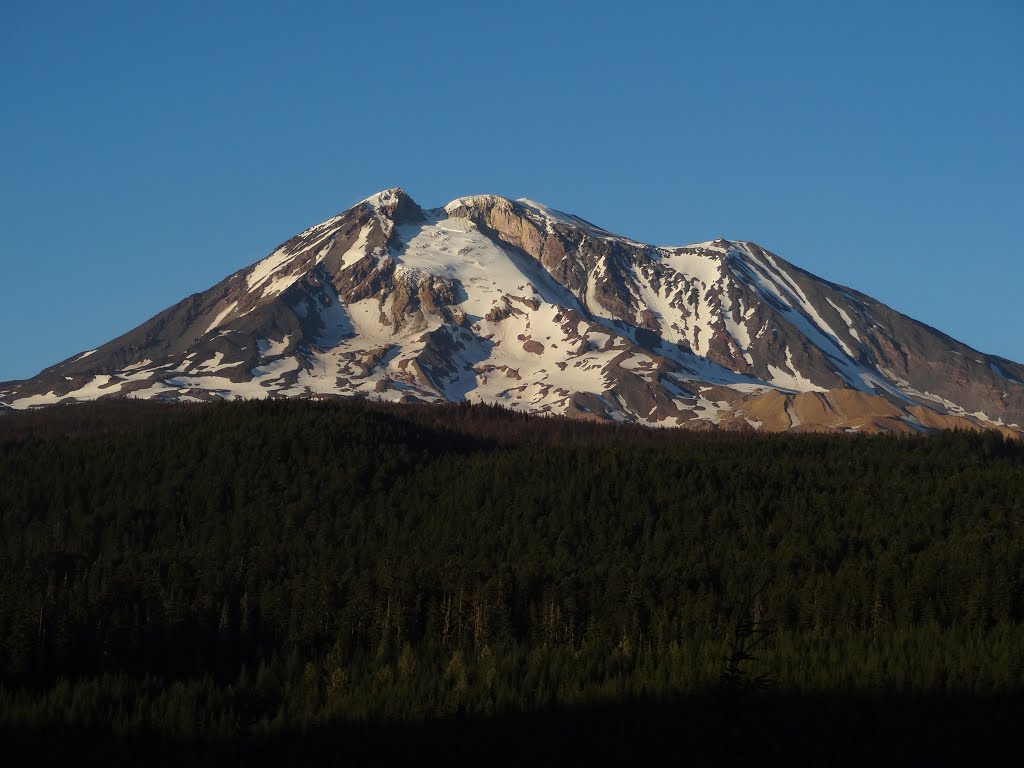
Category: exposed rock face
[510,302]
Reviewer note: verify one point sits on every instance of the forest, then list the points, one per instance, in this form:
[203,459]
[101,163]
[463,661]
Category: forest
[281,582]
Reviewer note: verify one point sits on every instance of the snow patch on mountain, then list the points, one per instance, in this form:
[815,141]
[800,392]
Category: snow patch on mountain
[268,348]
[790,378]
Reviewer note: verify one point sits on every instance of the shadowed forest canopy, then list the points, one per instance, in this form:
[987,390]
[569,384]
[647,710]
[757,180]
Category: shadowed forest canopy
[272,568]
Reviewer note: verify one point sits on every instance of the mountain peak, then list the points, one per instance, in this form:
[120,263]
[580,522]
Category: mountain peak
[384,198]
[394,203]
[516,303]
[476,205]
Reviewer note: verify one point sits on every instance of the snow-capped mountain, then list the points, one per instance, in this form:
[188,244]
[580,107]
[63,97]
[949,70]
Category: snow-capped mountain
[510,302]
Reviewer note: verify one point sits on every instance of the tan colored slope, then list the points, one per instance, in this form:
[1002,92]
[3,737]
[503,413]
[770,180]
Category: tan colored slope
[843,410]
[935,420]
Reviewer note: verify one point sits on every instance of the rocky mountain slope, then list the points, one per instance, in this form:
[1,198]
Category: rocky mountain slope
[510,302]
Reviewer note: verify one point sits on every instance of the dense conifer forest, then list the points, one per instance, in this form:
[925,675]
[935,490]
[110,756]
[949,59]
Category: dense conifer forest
[288,581]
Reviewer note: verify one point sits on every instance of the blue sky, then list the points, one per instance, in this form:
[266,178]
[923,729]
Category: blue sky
[150,149]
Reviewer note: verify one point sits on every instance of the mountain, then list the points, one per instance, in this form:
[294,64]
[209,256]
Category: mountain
[510,302]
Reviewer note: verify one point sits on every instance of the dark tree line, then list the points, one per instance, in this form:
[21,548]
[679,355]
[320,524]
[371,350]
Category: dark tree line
[277,565]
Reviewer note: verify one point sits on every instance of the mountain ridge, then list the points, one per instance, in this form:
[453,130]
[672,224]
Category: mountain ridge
[512,302]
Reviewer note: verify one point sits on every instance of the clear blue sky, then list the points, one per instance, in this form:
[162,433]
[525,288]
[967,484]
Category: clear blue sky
[151,148]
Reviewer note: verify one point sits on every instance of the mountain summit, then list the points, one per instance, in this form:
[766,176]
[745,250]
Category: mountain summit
[514,303]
